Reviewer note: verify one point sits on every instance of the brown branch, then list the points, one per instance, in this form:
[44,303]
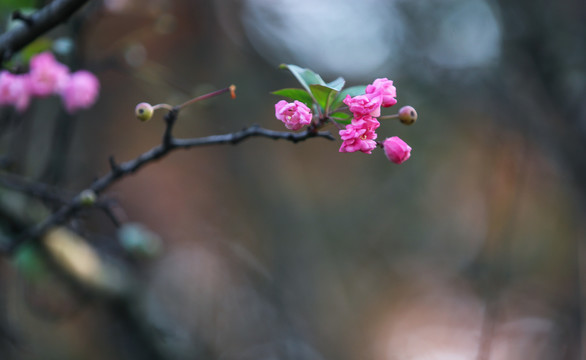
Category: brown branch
[168,144]
[34,189]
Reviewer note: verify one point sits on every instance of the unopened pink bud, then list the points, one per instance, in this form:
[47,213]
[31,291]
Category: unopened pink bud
[396,150]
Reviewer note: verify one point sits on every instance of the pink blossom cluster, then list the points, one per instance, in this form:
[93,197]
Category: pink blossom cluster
[360,134]
[294,115]
[47,76]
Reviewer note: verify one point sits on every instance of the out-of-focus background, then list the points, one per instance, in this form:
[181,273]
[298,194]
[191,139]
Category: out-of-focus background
[472,249]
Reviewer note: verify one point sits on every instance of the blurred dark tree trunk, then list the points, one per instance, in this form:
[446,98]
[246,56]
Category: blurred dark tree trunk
[541,89]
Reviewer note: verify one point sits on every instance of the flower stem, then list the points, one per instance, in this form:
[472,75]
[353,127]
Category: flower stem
[230,89]
[394,116]
[162,106]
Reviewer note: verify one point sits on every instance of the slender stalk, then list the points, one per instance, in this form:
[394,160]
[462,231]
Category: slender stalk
[162,106]
[384,117]
[230,89]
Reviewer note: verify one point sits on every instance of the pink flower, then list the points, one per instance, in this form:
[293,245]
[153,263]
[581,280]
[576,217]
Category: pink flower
[294,115]
[383,87]
[359,135]
[47,75]
[371,122]
[14,90]
[362,105]
[80,91]
[396,150]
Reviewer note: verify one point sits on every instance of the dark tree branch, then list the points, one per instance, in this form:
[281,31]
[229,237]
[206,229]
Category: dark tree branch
[168,144]
[38,190]
[252,131]
[17,15]
[37,24]
[108,208]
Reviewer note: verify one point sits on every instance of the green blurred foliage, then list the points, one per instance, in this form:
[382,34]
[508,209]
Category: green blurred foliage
[7,5]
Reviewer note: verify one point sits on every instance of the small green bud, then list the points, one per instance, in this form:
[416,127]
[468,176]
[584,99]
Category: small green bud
[144,111]
[407,115]
[87,197]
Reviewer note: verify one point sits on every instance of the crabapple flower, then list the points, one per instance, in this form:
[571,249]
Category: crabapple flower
[80,91]
[14,90]
[294,115]
[362,105]
[359,135]
[396,150]
[47,75]
[384,88]
[371,122]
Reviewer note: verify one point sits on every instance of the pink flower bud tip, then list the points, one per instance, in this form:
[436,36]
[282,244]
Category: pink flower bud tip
[396,150]
[294,115]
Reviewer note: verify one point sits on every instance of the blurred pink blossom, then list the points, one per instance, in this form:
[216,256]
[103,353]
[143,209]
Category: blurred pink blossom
[383,87]
[47,75]
[14,90]
[80,91]
[362,105]
[396,150]
[294,115]
[359,135]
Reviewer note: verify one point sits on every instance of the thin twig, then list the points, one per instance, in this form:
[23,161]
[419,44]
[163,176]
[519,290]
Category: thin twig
[168,144]
[35,189]
[108,208]
[252,131]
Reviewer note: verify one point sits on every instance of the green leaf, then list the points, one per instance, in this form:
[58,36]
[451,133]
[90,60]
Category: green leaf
[324,95]
[337,84]
[17,4]
[341,115]
[341,118]
[305,77]
[352,91]
[296,94]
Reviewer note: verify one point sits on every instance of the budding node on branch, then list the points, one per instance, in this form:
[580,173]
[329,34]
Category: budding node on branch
[87,197]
